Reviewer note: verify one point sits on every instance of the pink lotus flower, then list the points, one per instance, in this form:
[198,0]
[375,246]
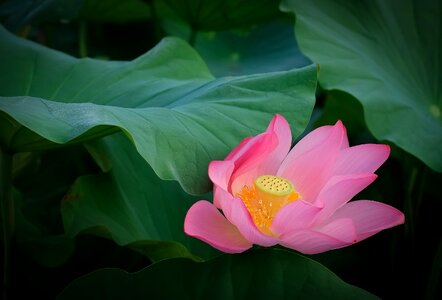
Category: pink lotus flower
[298,199]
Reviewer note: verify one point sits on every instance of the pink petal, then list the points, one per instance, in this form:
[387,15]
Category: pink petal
[341,229]
[261,155]
[220,173]
[237,213]
[250,149]
[311,242]
[370,217]
[247,166]
[278,126]
[281,129]
[293,216]
[314,139]
[205,222]
[338,191]
[365,158]
[239,150]
[310,162]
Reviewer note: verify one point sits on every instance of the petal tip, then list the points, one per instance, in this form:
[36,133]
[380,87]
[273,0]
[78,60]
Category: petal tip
[387,150]
[204,222]
[339,124]
[401,219]
[278,120]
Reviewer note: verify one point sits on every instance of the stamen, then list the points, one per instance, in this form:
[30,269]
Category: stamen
[265,198]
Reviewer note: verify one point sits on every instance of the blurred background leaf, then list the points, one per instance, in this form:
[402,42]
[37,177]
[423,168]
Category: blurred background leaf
[41,179]
[267,47]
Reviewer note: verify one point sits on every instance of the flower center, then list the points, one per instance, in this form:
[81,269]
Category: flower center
[265,198]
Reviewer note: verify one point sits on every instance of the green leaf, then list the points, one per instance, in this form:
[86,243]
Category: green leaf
[387,54]
[259,274]
[131,205]
[178,116]
[267,47]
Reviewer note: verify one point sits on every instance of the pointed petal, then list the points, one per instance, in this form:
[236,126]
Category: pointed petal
[205,222]
[314,139]
[310,162]
[262,154]
[338,191]
[370,217]
[311,242]
[293,216]
[237,213]
[280,128]
[365,158]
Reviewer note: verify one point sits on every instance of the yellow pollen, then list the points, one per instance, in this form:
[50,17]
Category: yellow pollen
[265,198]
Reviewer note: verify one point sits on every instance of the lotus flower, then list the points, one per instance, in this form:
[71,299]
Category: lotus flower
[266,195]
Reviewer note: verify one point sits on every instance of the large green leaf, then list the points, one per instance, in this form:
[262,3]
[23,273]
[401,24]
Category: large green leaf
[178,116]
[387,54]
[259,274]
[130,204]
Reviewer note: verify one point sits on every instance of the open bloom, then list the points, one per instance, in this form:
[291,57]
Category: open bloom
[298,199]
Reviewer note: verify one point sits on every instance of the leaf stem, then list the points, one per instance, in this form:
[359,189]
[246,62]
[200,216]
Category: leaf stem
[435,274]
[192,36]
[7,213]
[409,207]
[82,50]
[158,31]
